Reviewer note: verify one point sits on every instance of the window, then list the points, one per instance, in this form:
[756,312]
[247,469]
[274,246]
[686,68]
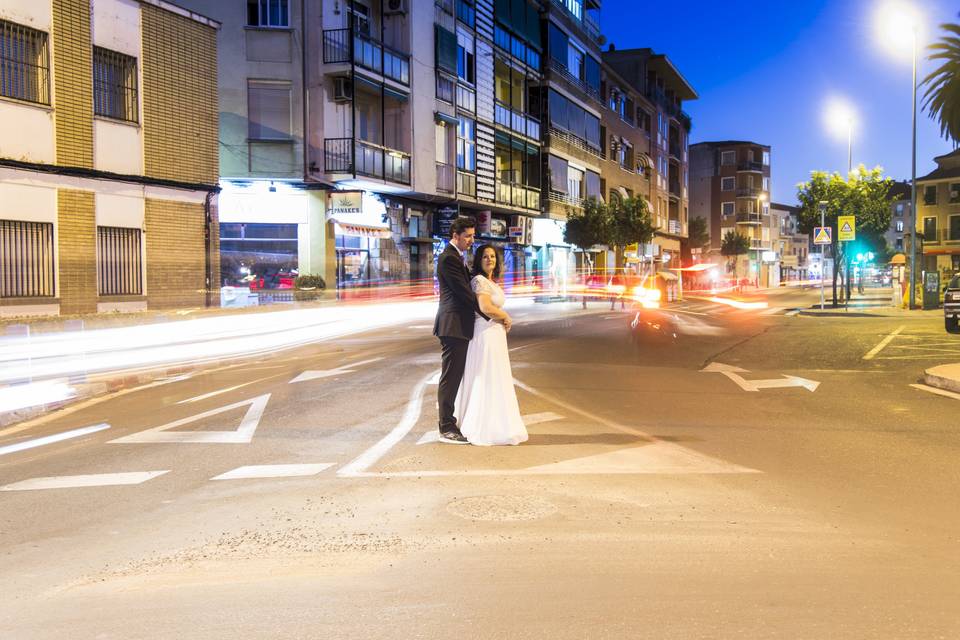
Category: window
[24,63]
[119,261]
[728,184]
[728,157]
[930,229]
[465,12]
[591,182]
[575,61]
[575,7]
[467,145]
[899,226]
[446,44]
[930,194]
[115,85]
[268,109]
[766,158]
[574,183]
[465,57]
[727,208]
[955,192]
[955,227]
[898,209]
[558,174]
[766,184]
[26,253]
[268,13]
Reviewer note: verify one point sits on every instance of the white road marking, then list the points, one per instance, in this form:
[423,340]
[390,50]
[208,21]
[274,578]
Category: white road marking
[59,437]
[242,435]
[939,392]
[883,343]
[327,373]
[429,437]
[274,471]
[792,312]
[364,461]
[93,480]
[732,373]
[216,393]
[421,326]
[771,311]
[435,379]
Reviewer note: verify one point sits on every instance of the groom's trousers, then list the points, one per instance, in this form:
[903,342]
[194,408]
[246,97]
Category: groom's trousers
[454,359]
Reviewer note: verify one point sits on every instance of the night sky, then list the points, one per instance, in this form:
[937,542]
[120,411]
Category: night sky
[765,70]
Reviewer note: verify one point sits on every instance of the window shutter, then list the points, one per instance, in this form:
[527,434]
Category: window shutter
[446,50]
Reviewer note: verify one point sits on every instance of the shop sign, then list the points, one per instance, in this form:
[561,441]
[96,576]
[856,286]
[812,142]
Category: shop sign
[769,256]
[520,230]
[344,203]
[498,228]
[443,220]
[483,223]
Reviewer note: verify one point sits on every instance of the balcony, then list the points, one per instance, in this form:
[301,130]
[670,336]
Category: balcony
[557,196]
[445,178]
[466,184]
[516,121]
[589,23]
[750,166]
[748,218]
[446,88]
[562,71]
[359,157]
[575,141]
[466,99]
[365,52]
[760,244]
[518,195]
[674,227]
[675,151]
[749,192]
[674,189]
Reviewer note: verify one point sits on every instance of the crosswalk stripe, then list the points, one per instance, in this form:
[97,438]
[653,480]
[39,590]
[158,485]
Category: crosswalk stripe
[771,311]
[274,471]
[91,480]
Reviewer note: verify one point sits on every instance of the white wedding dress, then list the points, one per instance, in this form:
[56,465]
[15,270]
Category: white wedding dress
[487,411]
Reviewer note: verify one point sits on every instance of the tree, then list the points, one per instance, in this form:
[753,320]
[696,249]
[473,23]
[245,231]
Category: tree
[864,194]
[942,97]
[588,227]
[734,244]
[698,237]
[629,223]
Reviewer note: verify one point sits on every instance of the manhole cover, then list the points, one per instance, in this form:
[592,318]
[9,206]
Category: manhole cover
[501,508]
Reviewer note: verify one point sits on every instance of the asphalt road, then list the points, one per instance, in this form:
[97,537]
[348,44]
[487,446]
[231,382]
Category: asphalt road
[798,488]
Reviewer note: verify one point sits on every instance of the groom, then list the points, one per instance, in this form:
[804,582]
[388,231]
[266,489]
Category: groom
[454,323]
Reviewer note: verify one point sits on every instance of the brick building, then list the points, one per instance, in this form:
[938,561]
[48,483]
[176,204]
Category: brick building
[108,157]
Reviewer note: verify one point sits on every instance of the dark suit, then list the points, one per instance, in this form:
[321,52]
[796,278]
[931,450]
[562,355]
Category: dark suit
[454,327]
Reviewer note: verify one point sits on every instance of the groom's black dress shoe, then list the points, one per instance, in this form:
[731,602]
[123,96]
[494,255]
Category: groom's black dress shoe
[453,436]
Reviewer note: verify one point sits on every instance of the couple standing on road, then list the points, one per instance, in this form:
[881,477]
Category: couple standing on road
[478,404]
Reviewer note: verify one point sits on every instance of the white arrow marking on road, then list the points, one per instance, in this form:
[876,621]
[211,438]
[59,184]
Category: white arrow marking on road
[328,373]
[92,480]
[755,385]
[39,442]
[242,435]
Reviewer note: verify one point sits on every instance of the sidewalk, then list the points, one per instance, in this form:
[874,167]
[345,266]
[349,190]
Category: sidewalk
[945,377]
[871,303]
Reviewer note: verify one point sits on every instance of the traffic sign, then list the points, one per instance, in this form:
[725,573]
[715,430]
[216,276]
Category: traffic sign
[847,227]
[822,235]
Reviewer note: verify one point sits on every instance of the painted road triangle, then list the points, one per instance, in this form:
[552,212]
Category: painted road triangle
[654,457]
[243,434]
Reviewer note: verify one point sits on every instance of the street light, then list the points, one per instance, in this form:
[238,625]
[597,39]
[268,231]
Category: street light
[899,27]
[761,198]
[840,118]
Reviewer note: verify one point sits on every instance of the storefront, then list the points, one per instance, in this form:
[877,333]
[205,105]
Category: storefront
[552,260]
[367,253]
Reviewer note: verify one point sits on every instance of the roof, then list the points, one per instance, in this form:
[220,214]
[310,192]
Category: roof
[729,143]
[941,174]
[900,190]
[785,207]
[660,63]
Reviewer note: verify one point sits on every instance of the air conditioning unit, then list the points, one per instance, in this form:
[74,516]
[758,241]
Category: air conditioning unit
[342,89]
[393,7]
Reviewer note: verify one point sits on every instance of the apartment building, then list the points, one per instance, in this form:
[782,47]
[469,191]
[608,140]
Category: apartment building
[900,194]
[661,90]
[938,216]
[792,248]
[108,157]
[730,187]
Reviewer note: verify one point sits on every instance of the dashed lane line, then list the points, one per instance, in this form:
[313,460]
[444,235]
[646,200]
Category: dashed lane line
[59,437]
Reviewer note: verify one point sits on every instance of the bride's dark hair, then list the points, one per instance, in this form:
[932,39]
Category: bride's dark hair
[478,262]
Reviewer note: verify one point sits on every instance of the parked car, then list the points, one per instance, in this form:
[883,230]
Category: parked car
[951,305]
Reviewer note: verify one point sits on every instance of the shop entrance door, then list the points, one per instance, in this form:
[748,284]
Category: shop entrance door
[353,267]
[415,269]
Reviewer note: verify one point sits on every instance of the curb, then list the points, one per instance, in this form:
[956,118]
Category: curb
[939,378]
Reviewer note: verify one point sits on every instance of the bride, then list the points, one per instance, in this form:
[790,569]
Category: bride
[486,407]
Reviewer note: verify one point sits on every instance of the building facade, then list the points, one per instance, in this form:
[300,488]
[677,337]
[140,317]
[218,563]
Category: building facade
[108,157]
[730,187]
[938,217]
[792,248]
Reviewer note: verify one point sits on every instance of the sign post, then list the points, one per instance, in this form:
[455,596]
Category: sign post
[816,239]
[846,232]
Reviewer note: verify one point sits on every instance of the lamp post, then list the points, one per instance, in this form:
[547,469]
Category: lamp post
[840,119]
[900,25]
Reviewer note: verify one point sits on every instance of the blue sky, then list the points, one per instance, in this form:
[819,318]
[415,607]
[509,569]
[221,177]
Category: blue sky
[764,71]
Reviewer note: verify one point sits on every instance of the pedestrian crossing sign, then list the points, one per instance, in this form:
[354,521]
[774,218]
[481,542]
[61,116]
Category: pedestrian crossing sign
[822,235]
[847,227]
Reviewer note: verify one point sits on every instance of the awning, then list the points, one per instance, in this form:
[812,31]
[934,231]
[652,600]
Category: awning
[898,259]
[666,275]
[453,121]
[360,230]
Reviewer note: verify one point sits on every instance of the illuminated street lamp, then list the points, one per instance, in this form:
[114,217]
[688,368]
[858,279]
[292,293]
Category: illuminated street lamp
[840,119]
[899,26]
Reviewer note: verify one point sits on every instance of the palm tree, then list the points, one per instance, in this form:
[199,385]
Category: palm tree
[942,97]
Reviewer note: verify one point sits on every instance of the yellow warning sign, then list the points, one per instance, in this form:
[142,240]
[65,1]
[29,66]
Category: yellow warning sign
[822,235]
[847,228]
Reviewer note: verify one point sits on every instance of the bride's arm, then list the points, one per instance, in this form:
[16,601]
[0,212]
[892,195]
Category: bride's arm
[489,309]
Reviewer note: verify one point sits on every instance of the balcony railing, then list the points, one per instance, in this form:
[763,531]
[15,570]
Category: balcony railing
[445,178]
[522,123]
[675,149]
[750,166]
[557,196]
[366,52]
[674,227]
[561,70]
[749,192]
[348,155]
[575,141]
[674,188]
[445,88]
[518,195]
[748,218]
[466,184]
[759,244]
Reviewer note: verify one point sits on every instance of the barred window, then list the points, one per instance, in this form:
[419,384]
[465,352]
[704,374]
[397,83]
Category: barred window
[115,85]
[120,261]
[24,63]
[26,259]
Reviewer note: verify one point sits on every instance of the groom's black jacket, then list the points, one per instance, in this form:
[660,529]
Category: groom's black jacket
[458,302]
